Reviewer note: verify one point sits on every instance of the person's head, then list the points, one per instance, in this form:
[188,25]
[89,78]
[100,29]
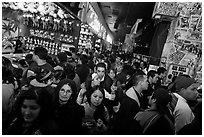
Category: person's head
[152,76]
[58,76]
[69,70]
[119,67]
[136,65]
[62,57]
[161,72]
[112,73]
[140,81]
[186,87]
[95,96]
[83,59]
[29,58]
[65,91]
[118,59]
[7,76]
[34,105]
[39,53]
[22,63]
[20,38]
[101,70]
[160,97]
[7,64]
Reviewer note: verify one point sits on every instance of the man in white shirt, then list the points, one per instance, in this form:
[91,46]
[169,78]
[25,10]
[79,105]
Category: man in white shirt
[186,90]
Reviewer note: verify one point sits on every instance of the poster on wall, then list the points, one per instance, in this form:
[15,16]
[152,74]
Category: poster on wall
[193,22]
[183,22]
[176,70]
[181,34]
[176,57]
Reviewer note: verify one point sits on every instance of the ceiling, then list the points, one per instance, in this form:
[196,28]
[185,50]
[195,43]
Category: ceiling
[121,16]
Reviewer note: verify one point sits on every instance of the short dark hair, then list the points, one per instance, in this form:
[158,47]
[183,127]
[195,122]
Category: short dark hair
[101,64]
[161,70]
[29,58]
[151,73]
[41,52]
[84,59]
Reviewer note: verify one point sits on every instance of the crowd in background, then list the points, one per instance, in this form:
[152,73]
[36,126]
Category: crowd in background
[93,93]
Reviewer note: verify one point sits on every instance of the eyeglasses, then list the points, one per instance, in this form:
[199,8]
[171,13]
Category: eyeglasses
[66,91]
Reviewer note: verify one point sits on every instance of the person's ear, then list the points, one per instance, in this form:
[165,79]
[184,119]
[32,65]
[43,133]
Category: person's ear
[182,90]
[154,100]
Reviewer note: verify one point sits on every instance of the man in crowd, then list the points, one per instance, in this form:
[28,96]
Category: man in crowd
[39,58]
[152,77]
[161,75]
[186,90]
[131,104]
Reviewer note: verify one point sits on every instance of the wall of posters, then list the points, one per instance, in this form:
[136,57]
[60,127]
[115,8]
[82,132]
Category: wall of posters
[184,42]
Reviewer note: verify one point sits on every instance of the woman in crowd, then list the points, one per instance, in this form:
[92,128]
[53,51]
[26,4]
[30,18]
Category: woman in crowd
[68,113]
[33,114]
[96,116]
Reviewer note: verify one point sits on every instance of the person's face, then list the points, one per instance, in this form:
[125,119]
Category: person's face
[65,93]
[162,75]
[100,72]
[34,57]
[155,78]
[150,102]
[30,110]
[144,83]
[96,98]
[117,59]
[119,68]
[191,92]
[112,74]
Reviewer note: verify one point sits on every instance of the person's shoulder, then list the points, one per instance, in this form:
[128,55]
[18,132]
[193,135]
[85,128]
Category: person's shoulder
[48,67]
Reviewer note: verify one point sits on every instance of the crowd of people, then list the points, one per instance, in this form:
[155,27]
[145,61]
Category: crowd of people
[95,94]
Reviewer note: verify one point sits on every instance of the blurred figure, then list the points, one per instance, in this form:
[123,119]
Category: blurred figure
[156,120]
[33,114]
[152,77]
[161,76]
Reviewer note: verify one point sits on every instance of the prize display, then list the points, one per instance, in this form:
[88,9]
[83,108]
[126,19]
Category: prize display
[46,25]
[85,36]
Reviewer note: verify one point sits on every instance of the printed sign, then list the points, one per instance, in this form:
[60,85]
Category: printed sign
[176,70]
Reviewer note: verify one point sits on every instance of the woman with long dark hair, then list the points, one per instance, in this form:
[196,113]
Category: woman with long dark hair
[68,113]
[96,116]
[33,114]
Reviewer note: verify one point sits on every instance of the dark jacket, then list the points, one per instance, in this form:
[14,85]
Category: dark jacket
[69,118]
[128,109]
[151,122]
[48,127]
